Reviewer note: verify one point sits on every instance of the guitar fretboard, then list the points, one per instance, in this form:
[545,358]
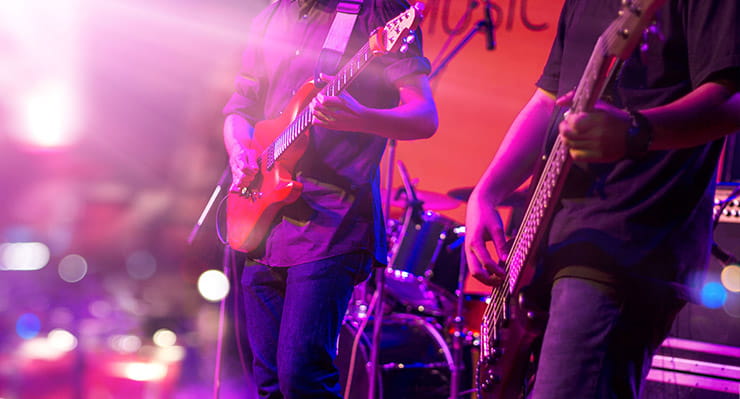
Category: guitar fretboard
[544,197]
[302,121]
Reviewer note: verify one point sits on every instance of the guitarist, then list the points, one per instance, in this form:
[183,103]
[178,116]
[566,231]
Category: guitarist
[633,225]
[297,284]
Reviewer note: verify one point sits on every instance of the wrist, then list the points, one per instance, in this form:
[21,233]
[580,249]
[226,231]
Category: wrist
[639,136]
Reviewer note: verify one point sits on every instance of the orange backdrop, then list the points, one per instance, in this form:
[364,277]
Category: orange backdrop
[479,93]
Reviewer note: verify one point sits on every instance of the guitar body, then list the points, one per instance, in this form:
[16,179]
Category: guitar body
[508,370]
[251,211]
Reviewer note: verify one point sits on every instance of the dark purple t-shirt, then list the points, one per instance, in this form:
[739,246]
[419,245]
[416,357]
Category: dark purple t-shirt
[339,209]
[648,218]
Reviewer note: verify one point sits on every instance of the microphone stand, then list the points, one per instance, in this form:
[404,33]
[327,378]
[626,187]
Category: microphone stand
[480,26]
[227,256]
[209,205]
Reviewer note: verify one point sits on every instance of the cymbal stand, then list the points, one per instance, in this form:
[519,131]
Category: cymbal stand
[414,205]
[458,335]
[389,179]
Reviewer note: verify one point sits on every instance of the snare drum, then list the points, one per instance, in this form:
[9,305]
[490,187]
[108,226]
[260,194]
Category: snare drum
[415,247]
[414,359]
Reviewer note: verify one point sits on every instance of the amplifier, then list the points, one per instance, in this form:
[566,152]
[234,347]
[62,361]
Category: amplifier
[717,319]
[678,373]
[730,212]
[701,357]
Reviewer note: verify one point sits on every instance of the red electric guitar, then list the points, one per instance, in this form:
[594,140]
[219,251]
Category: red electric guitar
[510,328]
[281,142]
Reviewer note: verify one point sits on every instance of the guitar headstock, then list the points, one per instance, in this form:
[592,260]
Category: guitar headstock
[398,33]
[634,17]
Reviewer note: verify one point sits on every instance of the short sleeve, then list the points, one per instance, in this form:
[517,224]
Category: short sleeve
[413,60]
[550,78]
[713,37]
[249,86]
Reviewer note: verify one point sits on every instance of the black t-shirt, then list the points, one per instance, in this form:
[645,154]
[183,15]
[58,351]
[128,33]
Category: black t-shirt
[648,218]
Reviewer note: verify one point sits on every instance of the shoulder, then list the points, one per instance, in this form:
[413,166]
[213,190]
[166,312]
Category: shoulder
[262,19]
[380,11]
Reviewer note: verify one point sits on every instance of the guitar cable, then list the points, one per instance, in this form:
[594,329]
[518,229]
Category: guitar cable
[219,211]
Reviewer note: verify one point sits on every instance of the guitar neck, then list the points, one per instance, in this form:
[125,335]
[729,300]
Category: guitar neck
[596,76]
[303,119]
[545,196]
[594,80]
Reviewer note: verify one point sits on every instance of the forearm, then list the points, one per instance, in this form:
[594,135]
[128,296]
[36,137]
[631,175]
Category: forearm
[706,114]
[405,122]
[518,153]
[414,118]
[237,133]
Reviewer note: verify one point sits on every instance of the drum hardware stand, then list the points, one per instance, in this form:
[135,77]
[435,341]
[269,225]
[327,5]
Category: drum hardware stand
[413,204]
[486,27]
[372,364]
[458,336]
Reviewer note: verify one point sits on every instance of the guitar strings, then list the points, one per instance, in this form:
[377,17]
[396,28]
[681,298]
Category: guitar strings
[303,119]
[558,159]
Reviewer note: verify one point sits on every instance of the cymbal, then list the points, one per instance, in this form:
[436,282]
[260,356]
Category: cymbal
[517,198]
[430,199]
[461,193]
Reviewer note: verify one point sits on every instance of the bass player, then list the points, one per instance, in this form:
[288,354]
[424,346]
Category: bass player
[633,220]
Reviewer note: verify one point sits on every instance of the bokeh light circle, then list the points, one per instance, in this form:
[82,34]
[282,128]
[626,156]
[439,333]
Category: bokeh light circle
[213,285]
[72,268]
[62,340]
[164,337]
[28,326]
[141,265]
[730,278]
[713,295]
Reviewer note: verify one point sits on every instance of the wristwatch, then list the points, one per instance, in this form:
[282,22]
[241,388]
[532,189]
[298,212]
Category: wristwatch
[639,135]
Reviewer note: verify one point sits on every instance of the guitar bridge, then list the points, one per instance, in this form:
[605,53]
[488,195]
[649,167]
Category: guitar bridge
[251,194]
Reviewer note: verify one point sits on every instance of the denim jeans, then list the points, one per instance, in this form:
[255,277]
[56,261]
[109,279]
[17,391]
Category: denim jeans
[292,318]
[599,340]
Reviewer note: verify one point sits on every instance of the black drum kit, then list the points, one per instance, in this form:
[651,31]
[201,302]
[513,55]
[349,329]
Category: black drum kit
[427,341]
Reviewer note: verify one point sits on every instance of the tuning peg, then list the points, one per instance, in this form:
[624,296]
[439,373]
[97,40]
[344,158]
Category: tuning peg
[410,38]
[404,48]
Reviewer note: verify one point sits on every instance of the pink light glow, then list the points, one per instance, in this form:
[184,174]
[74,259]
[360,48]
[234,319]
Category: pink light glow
[50,117]
[40,75]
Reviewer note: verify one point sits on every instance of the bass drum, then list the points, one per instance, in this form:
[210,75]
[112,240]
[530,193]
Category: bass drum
[414,359]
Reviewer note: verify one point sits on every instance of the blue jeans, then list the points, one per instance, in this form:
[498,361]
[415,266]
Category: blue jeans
[292,319]
[599,340]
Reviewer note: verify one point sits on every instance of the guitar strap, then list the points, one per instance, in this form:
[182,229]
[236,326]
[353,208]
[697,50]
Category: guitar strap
[338,37]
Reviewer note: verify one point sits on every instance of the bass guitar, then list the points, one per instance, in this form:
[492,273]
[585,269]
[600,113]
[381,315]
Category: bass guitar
[281,142]
[510,326]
